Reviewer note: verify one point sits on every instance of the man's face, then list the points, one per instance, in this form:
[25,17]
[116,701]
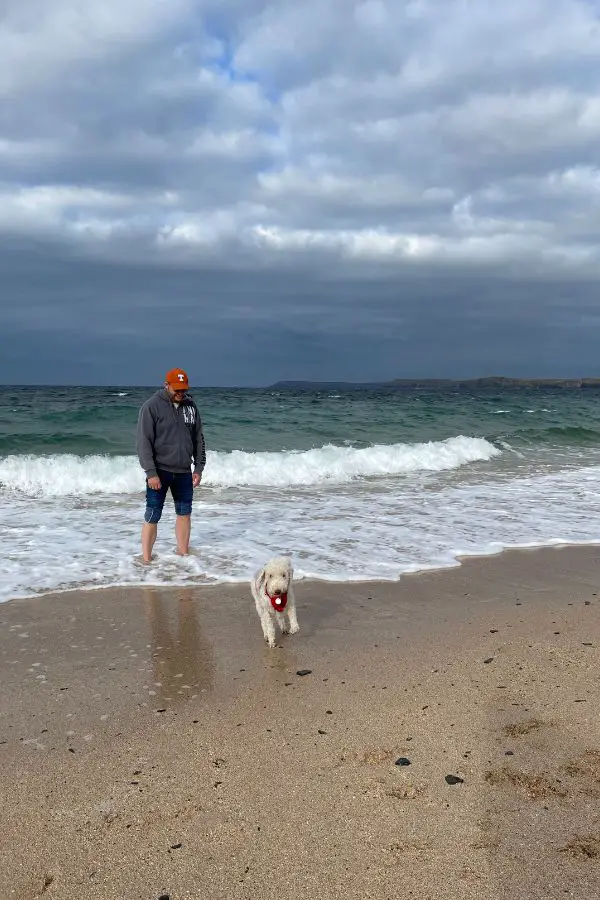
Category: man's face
[176,394]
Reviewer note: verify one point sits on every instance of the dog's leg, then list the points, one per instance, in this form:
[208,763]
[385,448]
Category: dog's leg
[268,630]
[292,618]
[293,628]
[283,620]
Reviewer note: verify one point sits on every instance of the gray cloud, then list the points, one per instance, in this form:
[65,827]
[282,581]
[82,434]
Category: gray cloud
[298,190]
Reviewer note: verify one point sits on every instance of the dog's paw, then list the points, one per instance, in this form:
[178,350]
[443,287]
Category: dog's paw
[294,629]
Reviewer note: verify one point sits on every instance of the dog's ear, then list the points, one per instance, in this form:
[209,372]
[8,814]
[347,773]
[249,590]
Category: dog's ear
[260,579]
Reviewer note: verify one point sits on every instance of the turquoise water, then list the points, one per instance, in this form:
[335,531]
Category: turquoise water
[352,483]
[102,420]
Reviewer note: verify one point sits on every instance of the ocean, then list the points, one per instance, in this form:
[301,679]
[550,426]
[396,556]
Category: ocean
[353,484]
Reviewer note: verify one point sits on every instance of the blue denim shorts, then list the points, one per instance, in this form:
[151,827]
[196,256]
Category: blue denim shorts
[182,491]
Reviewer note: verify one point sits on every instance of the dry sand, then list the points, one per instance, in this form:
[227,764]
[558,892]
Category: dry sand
[152,745]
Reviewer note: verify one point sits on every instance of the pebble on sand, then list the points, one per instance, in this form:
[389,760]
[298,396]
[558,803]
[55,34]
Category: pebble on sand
[403,761]
[304,672]
[454,779]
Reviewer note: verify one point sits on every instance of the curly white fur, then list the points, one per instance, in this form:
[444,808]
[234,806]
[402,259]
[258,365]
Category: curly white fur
[274,580]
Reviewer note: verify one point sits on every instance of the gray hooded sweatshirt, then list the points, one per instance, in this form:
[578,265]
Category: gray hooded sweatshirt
[170,437]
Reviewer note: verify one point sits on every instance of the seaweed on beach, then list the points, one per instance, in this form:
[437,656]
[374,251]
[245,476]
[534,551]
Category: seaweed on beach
[517,729]
[536,787]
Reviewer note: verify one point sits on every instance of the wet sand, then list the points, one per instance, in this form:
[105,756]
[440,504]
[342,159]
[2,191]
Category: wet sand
[152,745]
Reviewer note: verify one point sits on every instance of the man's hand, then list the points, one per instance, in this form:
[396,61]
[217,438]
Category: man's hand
[154,483]
[196,479]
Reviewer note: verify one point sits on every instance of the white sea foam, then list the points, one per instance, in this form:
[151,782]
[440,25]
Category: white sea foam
[360,529]
[66,475]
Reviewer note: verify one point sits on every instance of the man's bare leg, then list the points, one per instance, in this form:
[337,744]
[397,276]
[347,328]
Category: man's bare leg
[148,537]
[183,528]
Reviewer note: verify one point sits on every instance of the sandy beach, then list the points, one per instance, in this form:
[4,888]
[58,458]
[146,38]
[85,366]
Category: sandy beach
[153,746]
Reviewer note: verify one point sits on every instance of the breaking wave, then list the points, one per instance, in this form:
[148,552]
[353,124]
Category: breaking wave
[61,475]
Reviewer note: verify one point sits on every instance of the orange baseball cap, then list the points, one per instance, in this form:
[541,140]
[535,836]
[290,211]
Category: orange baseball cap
[177,379]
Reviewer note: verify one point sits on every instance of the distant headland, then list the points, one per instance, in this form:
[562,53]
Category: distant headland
[492,381]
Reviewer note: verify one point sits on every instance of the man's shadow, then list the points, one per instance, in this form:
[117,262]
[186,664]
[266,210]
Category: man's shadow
[182,660]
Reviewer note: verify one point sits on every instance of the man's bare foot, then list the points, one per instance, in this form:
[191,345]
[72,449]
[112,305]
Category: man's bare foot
[140,561]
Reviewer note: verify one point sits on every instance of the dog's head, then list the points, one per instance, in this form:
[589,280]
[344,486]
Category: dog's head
[276,576]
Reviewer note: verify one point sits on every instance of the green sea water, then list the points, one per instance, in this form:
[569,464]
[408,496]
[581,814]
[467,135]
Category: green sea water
[81,420]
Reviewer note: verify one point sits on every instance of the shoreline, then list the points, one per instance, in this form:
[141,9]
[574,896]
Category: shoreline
[151,743]
[461,561]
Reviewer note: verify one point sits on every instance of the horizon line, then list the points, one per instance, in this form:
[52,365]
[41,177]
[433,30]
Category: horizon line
[304,381]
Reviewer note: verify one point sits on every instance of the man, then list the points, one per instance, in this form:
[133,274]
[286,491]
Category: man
[169,440]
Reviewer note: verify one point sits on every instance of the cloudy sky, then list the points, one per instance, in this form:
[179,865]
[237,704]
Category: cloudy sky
[273,189]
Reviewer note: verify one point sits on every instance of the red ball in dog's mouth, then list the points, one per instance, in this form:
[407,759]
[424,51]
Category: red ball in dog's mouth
[279,602]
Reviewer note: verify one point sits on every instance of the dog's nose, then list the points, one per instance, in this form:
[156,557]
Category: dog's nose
[277,592]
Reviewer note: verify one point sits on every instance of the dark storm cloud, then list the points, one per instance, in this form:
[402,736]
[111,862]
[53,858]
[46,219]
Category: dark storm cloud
[284,190]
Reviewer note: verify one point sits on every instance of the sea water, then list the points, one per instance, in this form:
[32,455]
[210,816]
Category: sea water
[354,484]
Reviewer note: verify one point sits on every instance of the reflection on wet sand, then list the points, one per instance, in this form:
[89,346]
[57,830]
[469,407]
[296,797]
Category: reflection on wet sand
[278,666]
[182,660]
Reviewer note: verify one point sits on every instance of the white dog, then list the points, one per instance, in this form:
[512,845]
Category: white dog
[273,592]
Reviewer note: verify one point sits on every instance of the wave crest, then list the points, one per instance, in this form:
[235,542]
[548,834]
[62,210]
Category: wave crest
[69,475]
